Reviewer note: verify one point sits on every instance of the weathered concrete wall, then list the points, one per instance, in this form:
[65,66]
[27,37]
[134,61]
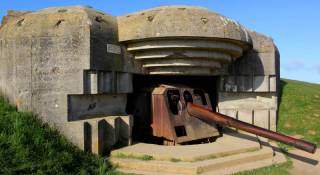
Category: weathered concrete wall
[175,21]
[172,40]
[250,90]
[44,64]
[73,66]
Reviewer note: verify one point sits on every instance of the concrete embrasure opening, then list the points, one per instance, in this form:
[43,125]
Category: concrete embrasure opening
[140,105]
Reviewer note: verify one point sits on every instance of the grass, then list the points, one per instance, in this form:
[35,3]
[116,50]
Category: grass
[27,146]
[300,110]
[299,114]
[175,160]
[139,157]
[281,169]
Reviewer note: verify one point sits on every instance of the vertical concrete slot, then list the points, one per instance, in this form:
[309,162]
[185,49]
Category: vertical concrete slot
[87,137]
[102,137]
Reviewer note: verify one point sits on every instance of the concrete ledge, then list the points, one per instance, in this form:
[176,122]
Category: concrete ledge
[223,147]
[234,152]
[219,166]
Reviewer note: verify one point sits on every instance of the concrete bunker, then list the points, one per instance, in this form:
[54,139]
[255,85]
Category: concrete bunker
[91,74]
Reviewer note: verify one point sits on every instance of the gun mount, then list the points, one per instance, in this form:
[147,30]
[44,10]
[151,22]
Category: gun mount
[181,114]
[171,120]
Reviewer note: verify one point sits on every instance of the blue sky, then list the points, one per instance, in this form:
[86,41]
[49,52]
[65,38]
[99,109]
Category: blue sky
[293,24]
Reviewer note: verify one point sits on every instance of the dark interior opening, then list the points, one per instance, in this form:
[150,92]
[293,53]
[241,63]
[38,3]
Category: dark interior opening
[180,131]
[173,99]
[187,97]
[139,102]
[200,93]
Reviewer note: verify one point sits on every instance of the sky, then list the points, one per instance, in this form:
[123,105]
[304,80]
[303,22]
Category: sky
[294,25]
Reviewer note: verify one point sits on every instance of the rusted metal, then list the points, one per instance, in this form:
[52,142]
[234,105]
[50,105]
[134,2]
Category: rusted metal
[170,119]
[209,116]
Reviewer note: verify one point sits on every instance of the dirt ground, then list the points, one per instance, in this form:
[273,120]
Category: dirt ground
[305,163]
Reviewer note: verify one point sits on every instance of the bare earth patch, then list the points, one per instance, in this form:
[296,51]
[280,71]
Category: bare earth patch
[304,163]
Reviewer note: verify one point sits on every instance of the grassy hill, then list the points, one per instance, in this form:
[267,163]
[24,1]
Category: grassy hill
[299,115]
[299,112]
[29,147]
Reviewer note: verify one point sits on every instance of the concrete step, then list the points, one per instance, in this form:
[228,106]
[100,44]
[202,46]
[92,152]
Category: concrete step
[229,144]
[224,165]
[234,152]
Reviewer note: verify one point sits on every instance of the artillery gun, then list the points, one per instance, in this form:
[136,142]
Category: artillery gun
[181,115]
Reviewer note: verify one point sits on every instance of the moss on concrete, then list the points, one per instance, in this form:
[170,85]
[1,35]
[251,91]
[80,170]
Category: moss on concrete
[129,156]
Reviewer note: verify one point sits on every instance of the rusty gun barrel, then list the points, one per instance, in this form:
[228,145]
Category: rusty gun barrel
[207,115]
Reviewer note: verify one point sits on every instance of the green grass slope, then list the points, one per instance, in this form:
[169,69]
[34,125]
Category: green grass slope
[28,146]
[299,115]
[299,112]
